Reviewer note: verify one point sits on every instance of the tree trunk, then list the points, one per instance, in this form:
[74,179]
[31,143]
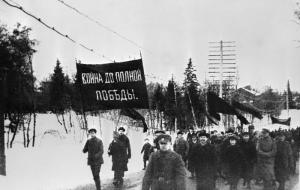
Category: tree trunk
[70,119]
[14,136]
[24,134]
[34,124]
[64,123]
[7,140]
[27,132]
[58,119]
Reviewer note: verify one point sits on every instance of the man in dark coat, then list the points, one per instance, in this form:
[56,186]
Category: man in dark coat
[191,161]
[190,135]
[165,170]
[204,157]
[234,162]
[181,146]
[120,153]
[283,161]
[94,147]
[249,151]
[146,150]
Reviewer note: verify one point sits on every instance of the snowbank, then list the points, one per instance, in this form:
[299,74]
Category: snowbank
[57,161]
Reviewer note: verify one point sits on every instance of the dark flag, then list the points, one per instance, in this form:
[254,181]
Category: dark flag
[218,105]
[113,85]
[247,108]
[134,115]
[281,121]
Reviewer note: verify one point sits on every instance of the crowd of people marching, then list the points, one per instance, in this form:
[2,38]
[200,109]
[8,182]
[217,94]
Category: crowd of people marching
[265,157]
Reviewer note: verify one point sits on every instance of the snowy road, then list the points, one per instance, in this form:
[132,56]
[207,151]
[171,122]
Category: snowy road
[133,182]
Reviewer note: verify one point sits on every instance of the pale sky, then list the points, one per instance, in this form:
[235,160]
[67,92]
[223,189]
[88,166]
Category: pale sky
[169,32]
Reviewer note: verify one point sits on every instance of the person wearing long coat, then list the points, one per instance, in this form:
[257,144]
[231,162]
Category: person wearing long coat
[119,159]
[283,161]
[165,170]
[181,146]
[266,151]
[191,160]
[204,157]
[249,150]
[146,150]
[234,162]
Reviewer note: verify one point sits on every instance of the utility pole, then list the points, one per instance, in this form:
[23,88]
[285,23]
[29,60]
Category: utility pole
[175,125]
[3,72]
[222,69]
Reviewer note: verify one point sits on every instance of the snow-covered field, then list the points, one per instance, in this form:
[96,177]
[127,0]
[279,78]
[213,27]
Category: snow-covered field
[57,161]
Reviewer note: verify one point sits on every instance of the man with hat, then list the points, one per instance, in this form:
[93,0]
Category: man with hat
[94,147]
[249,151]
[266,151]
[165,170]
[181,146]
[123,151]
[283,160]
[204,157]
[234,162]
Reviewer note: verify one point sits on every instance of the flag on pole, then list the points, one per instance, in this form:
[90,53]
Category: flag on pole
[281,121]
[218,105]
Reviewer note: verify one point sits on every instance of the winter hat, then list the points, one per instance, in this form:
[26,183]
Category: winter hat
[159,131]
[203,133]
[92,130]
[121,129]
[164,138]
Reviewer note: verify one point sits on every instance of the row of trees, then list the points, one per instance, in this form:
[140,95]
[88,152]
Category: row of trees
[182,105]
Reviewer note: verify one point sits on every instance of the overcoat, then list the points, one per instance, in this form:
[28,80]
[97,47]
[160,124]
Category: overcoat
[204,157]
[165,171]
[94,147]
[283,160]
[249,150]
[119,155]
[266,151]
[234,163]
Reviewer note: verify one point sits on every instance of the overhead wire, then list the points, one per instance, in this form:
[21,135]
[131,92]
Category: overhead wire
[102,25]
[18,6]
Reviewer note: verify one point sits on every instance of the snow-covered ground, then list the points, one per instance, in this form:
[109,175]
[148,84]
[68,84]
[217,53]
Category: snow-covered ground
[57,161]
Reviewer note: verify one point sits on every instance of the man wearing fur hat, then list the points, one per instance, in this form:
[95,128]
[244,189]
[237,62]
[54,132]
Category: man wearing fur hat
[266,151]
[120,151]
[165,170]
[204,157]
[94,148]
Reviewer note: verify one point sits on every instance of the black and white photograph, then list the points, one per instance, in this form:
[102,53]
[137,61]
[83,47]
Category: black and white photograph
[149,94]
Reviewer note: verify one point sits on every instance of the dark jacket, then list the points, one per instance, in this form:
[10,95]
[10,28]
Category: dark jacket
[165,171]
[181,146]
[94,147]
[119,155]
[283,160]
[249,150]
[234,161]
[146,149]
[204,158]
[191,156]
[125,141]
[266,151]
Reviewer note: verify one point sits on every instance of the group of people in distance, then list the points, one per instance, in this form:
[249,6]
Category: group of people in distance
[267,158]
